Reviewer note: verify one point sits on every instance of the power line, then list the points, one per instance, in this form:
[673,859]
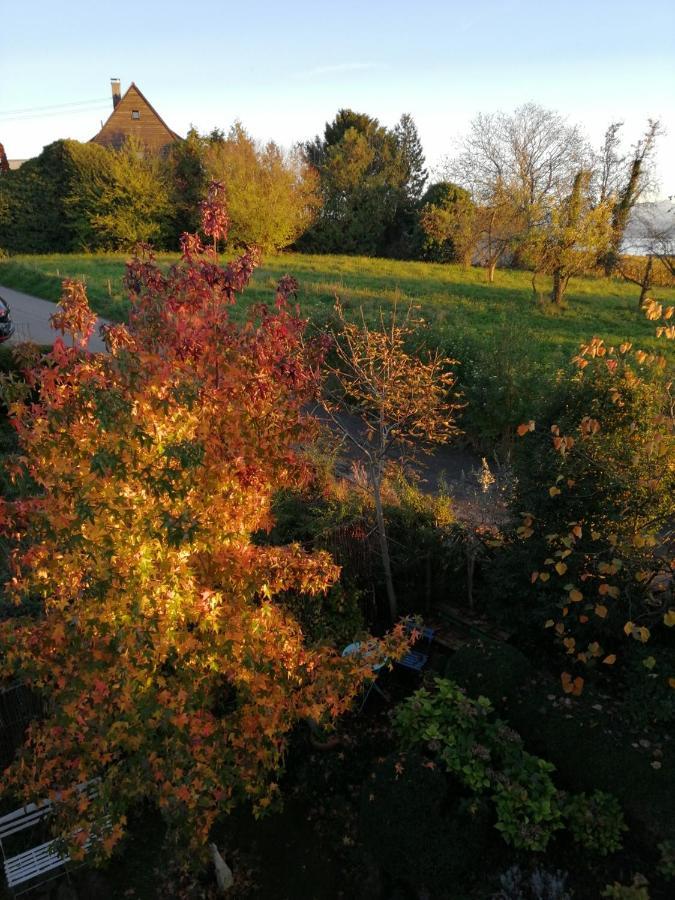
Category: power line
[61,112]
[30,109]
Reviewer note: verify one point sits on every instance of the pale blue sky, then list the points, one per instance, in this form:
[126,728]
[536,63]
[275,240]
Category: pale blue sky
[285,69]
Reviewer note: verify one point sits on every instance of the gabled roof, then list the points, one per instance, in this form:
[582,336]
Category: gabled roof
[150,128]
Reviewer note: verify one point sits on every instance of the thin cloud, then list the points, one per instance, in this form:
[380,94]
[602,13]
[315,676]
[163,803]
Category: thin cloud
[337,69]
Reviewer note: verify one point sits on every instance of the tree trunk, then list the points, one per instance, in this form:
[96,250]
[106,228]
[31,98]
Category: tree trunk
[558,291]
[492,265]
[384,546]
[646,285]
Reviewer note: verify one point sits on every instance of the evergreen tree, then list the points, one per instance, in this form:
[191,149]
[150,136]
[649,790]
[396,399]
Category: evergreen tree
[370,177]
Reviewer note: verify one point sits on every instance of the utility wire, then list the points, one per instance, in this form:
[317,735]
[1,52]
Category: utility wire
[30,109]
[60,112]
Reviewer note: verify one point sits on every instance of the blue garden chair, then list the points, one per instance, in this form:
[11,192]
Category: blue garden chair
[416,660]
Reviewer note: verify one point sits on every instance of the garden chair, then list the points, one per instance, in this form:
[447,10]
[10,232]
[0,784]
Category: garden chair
[416,660]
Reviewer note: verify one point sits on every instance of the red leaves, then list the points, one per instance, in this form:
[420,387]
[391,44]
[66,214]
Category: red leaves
[73,316]
[161,644]
[215,220]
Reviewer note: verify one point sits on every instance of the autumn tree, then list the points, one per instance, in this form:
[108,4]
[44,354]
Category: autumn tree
[569,243]
[271,195]
[454,224]
[628,191]
[597,485]
[447,220]
[399,401]
[153,624]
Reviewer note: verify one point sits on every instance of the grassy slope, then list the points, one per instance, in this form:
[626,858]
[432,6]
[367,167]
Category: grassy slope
[456,301]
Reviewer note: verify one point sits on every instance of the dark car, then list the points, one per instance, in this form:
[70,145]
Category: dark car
[6,326]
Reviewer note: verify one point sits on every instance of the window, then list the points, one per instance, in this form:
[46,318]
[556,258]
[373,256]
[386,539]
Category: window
[135,114]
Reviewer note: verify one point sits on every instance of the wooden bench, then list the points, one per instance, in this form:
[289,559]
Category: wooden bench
[25,871]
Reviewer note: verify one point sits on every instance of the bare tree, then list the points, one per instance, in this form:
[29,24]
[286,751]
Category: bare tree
[400,401]
[532,153]
[610,164]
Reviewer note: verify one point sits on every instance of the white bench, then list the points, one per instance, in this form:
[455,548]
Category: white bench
[33,863]
[30,867]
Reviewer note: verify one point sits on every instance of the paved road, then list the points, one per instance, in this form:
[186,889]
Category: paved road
[455,464]
[31,319]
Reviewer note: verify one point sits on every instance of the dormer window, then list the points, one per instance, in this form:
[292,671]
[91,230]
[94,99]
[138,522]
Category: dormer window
[135,114]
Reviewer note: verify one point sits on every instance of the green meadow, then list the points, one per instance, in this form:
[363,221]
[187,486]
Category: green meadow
[457,302]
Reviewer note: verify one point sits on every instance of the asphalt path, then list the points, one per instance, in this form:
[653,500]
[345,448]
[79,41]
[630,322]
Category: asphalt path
[454,464]
[30,316]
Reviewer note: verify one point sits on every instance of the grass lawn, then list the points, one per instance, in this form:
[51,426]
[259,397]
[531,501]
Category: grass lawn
[457,302]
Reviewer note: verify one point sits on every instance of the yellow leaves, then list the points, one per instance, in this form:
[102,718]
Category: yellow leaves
[549,623]
[524,428]
[554,491]
[569,644]
[560,628]
[610,659]
[526,530]
[669,618]
[560,568]
[671,683]
[649,663]
[639,633]
[608,590]
[595,649]
[572,686]
[575,596]
[600,611]
[544,576]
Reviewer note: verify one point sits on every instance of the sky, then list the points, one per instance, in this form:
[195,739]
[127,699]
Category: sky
[284,69]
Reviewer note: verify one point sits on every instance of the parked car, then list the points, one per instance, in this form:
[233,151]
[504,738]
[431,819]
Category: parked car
[6,326]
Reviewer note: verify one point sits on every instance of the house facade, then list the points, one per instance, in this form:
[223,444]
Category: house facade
[133,116]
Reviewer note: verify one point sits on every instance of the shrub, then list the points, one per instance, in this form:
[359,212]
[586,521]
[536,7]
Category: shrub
[418,825]
[489,668]
[597,485]
[667,862]
[488,758]
[638,890]
[596,821]
[271,196]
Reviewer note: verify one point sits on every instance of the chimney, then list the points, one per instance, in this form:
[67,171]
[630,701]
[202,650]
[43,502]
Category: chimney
[116,93]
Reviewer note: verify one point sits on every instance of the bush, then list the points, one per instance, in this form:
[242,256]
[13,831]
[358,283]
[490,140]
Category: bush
[596,821]
[77,196]
[591,751]
[489,668]
[596,482]
[638,890]
[418,825]
[488,758]
[271,196]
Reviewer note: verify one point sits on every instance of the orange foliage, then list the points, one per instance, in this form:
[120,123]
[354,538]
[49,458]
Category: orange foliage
[171,670]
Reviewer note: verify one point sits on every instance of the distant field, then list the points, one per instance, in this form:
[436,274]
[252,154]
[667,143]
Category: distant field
[458,303]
